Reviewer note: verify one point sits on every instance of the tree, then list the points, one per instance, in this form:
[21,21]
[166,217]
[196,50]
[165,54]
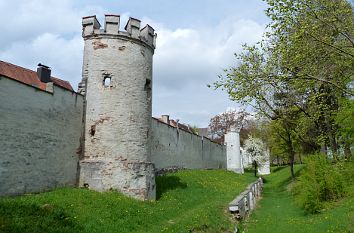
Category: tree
[314,43]
[221,123]
[298,75]
[255,149]
[345,119]
[193,128]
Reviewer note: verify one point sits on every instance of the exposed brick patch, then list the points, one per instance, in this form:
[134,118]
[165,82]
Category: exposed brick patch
[92,130]
[99,45]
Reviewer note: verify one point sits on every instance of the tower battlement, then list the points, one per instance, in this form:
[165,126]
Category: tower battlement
[116,80]
[91,27]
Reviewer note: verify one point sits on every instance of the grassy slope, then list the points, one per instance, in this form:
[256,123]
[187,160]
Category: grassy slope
[277,211]
[188,201]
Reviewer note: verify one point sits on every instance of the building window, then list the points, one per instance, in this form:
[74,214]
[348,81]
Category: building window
[107,81]
[147,86]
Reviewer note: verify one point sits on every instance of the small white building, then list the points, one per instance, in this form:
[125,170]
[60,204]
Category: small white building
[264,165]
[234,158]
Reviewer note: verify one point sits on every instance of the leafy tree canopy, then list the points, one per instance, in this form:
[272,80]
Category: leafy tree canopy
[300,76]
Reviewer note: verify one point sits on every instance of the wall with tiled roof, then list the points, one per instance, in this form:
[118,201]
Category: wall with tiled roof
[29,77]
[39,133]
[175,147]
[41,127]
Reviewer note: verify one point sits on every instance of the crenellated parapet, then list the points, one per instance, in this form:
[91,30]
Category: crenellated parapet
[117,82]
[91,27]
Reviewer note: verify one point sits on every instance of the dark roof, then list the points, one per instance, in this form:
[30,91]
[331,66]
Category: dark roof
[174,124]
[29,77]
[203,132]
[186,128]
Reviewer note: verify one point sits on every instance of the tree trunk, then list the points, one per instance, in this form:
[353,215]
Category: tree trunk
[278,162]
[334,145]
[324,149]
[255,168]
[300,158]
[291,156]
[291,159]
[347,151]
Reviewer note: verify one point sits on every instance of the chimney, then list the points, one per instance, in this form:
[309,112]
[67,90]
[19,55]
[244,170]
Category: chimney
[165,118]
[43,73]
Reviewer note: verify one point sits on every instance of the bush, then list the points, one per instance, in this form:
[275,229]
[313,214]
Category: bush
[319,182]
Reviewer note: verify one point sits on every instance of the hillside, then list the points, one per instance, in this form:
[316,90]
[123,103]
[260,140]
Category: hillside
[188,201]
[278,212]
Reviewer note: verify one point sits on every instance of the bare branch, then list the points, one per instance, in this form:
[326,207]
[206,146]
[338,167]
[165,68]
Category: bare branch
[311,77]
[330,45]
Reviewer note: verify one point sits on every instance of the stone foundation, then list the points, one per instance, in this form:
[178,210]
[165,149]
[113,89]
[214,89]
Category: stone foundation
[134,178]
[244,203]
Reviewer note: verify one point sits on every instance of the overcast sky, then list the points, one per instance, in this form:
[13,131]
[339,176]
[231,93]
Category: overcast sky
[196,40]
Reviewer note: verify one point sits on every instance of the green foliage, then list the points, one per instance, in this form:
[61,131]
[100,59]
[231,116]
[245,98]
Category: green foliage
[188,201]
[345,119]
[320,181]
[194,129]
[277,211]
[300,75]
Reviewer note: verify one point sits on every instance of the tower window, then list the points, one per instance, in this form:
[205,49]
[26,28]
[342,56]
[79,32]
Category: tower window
[107,81]
[147,86]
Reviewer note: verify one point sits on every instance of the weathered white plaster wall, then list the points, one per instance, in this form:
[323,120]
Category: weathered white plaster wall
[264,165]
[118,115]
[172,147]
[39,137]
[234,158]
[246,158]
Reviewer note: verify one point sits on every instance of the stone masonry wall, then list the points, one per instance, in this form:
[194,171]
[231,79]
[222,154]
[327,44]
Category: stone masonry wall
[117,78]
[178,148]
[39,138]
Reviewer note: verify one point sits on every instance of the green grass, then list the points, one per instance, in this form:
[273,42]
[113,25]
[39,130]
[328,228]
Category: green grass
[188,201]
[277,211]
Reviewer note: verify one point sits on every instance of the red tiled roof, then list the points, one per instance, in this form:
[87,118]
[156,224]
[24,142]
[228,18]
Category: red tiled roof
[29,77]
[174,124]
[184,127]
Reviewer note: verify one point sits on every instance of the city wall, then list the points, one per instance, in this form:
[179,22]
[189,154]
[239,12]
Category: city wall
[52,137]
[39,137]
[173,147]
[41,134]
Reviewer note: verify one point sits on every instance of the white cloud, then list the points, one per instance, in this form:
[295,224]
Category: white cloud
[185,60]
[44,31]
[63,55]
[188,55]
[25,20]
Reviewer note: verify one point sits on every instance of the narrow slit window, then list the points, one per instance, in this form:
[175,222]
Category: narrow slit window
[107,81]
[147,86]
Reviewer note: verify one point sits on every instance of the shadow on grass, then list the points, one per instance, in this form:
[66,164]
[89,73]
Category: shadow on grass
[165,183]
[281,184]
[276,169]
[21,218]
[289,179]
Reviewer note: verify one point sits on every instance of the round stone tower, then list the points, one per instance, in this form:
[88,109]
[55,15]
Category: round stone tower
[234,158]
[117,83]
